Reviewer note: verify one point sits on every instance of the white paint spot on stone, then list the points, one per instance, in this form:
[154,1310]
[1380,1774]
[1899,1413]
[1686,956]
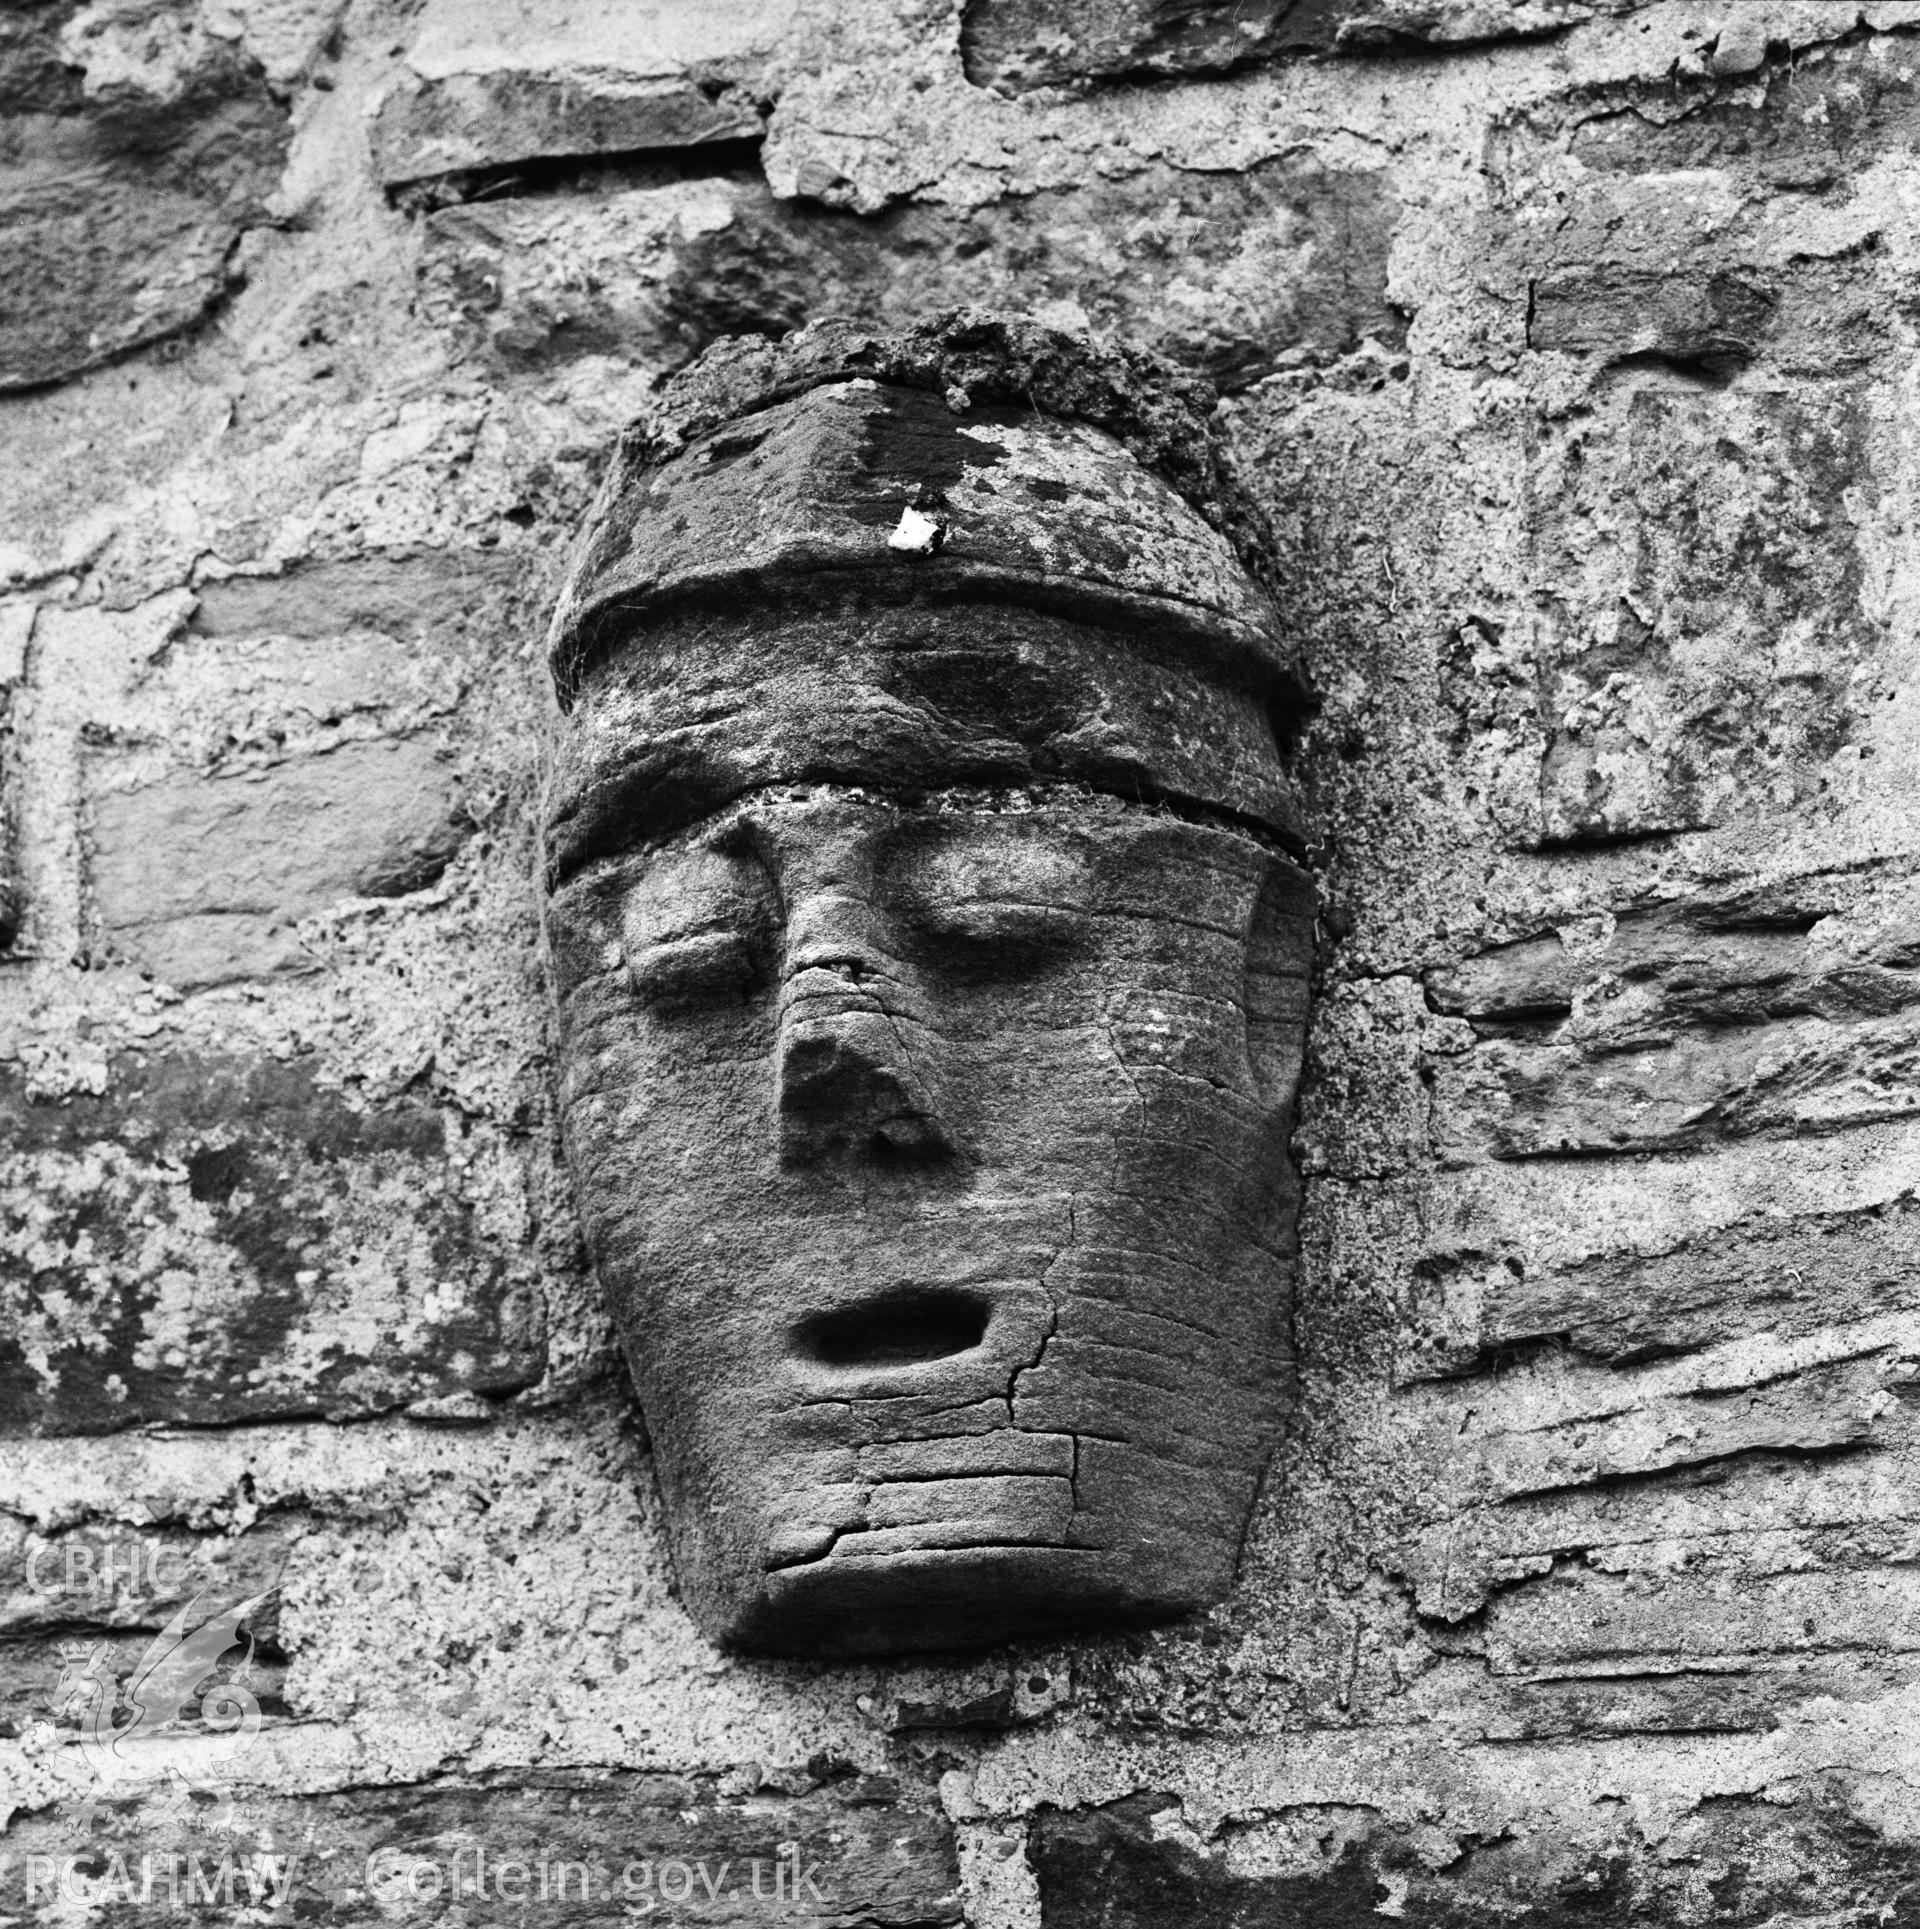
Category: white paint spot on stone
[917,534]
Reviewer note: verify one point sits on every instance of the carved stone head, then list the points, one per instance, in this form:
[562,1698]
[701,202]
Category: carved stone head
[931,964]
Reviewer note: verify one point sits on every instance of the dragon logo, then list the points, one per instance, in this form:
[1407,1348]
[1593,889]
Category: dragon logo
[179,1717]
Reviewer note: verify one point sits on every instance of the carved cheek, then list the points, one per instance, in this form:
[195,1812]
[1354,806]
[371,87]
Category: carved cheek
[1186,1018]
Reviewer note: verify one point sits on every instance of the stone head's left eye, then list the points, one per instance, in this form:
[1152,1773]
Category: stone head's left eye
[987,929]
[993,904]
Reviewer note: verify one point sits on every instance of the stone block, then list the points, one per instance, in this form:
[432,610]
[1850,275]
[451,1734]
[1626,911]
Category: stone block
[1226,273]
[110,1590]
[1607,1705]
[1530,978]
[1777,1275]
[1799,124]
[1014,45]
[558,1846]
[1118,1867]
[1642,273]
[109,1577]
[1684,225]
[1574,1435]
[202,880]
[1596,1623]
[133,155]
[16,630]
[1727,1015]
[501,85]
[222,1240]
[1706,644]
[404,597]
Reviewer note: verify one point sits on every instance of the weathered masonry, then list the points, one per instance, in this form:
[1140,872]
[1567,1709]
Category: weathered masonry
[1564,349]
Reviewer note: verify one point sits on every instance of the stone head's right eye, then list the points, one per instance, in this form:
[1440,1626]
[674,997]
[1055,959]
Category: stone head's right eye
[694,928]
[708,968]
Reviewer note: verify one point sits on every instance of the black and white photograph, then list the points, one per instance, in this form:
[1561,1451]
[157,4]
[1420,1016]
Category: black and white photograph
[959,964]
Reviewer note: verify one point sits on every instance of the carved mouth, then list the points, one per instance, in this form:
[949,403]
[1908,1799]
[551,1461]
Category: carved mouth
[904,1328]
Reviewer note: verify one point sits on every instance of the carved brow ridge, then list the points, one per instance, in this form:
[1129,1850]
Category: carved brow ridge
[1148,799]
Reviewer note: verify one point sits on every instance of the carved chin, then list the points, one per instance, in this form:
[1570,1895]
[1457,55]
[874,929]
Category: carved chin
[1038,1399]
[874,1431]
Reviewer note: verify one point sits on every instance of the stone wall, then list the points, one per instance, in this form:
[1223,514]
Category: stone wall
[1571,343]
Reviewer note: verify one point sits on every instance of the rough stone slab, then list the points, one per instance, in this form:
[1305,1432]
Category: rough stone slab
[1697,555]
[16,630]
[493,86]
[1140,1863]
[1741,1700]
[1517,1101]
[1798,125]
[1576,1431]
[31,1669]
[1528,978]
[1111,1868]
[1225,273]
[201,880]
[1686,225]
[1595,1622]
[1776,1276]
[219,1241]
[114,1578]
[473,121]
[1740,1511]
[1695,272]
[552,1847]
[1655,1204]
[1014,45]
[128,170]
[112,1590]
[1732,1013]
[396,596]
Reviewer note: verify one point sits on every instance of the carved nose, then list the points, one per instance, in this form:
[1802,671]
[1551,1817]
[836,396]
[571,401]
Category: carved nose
[846,1084]
[849,1078]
